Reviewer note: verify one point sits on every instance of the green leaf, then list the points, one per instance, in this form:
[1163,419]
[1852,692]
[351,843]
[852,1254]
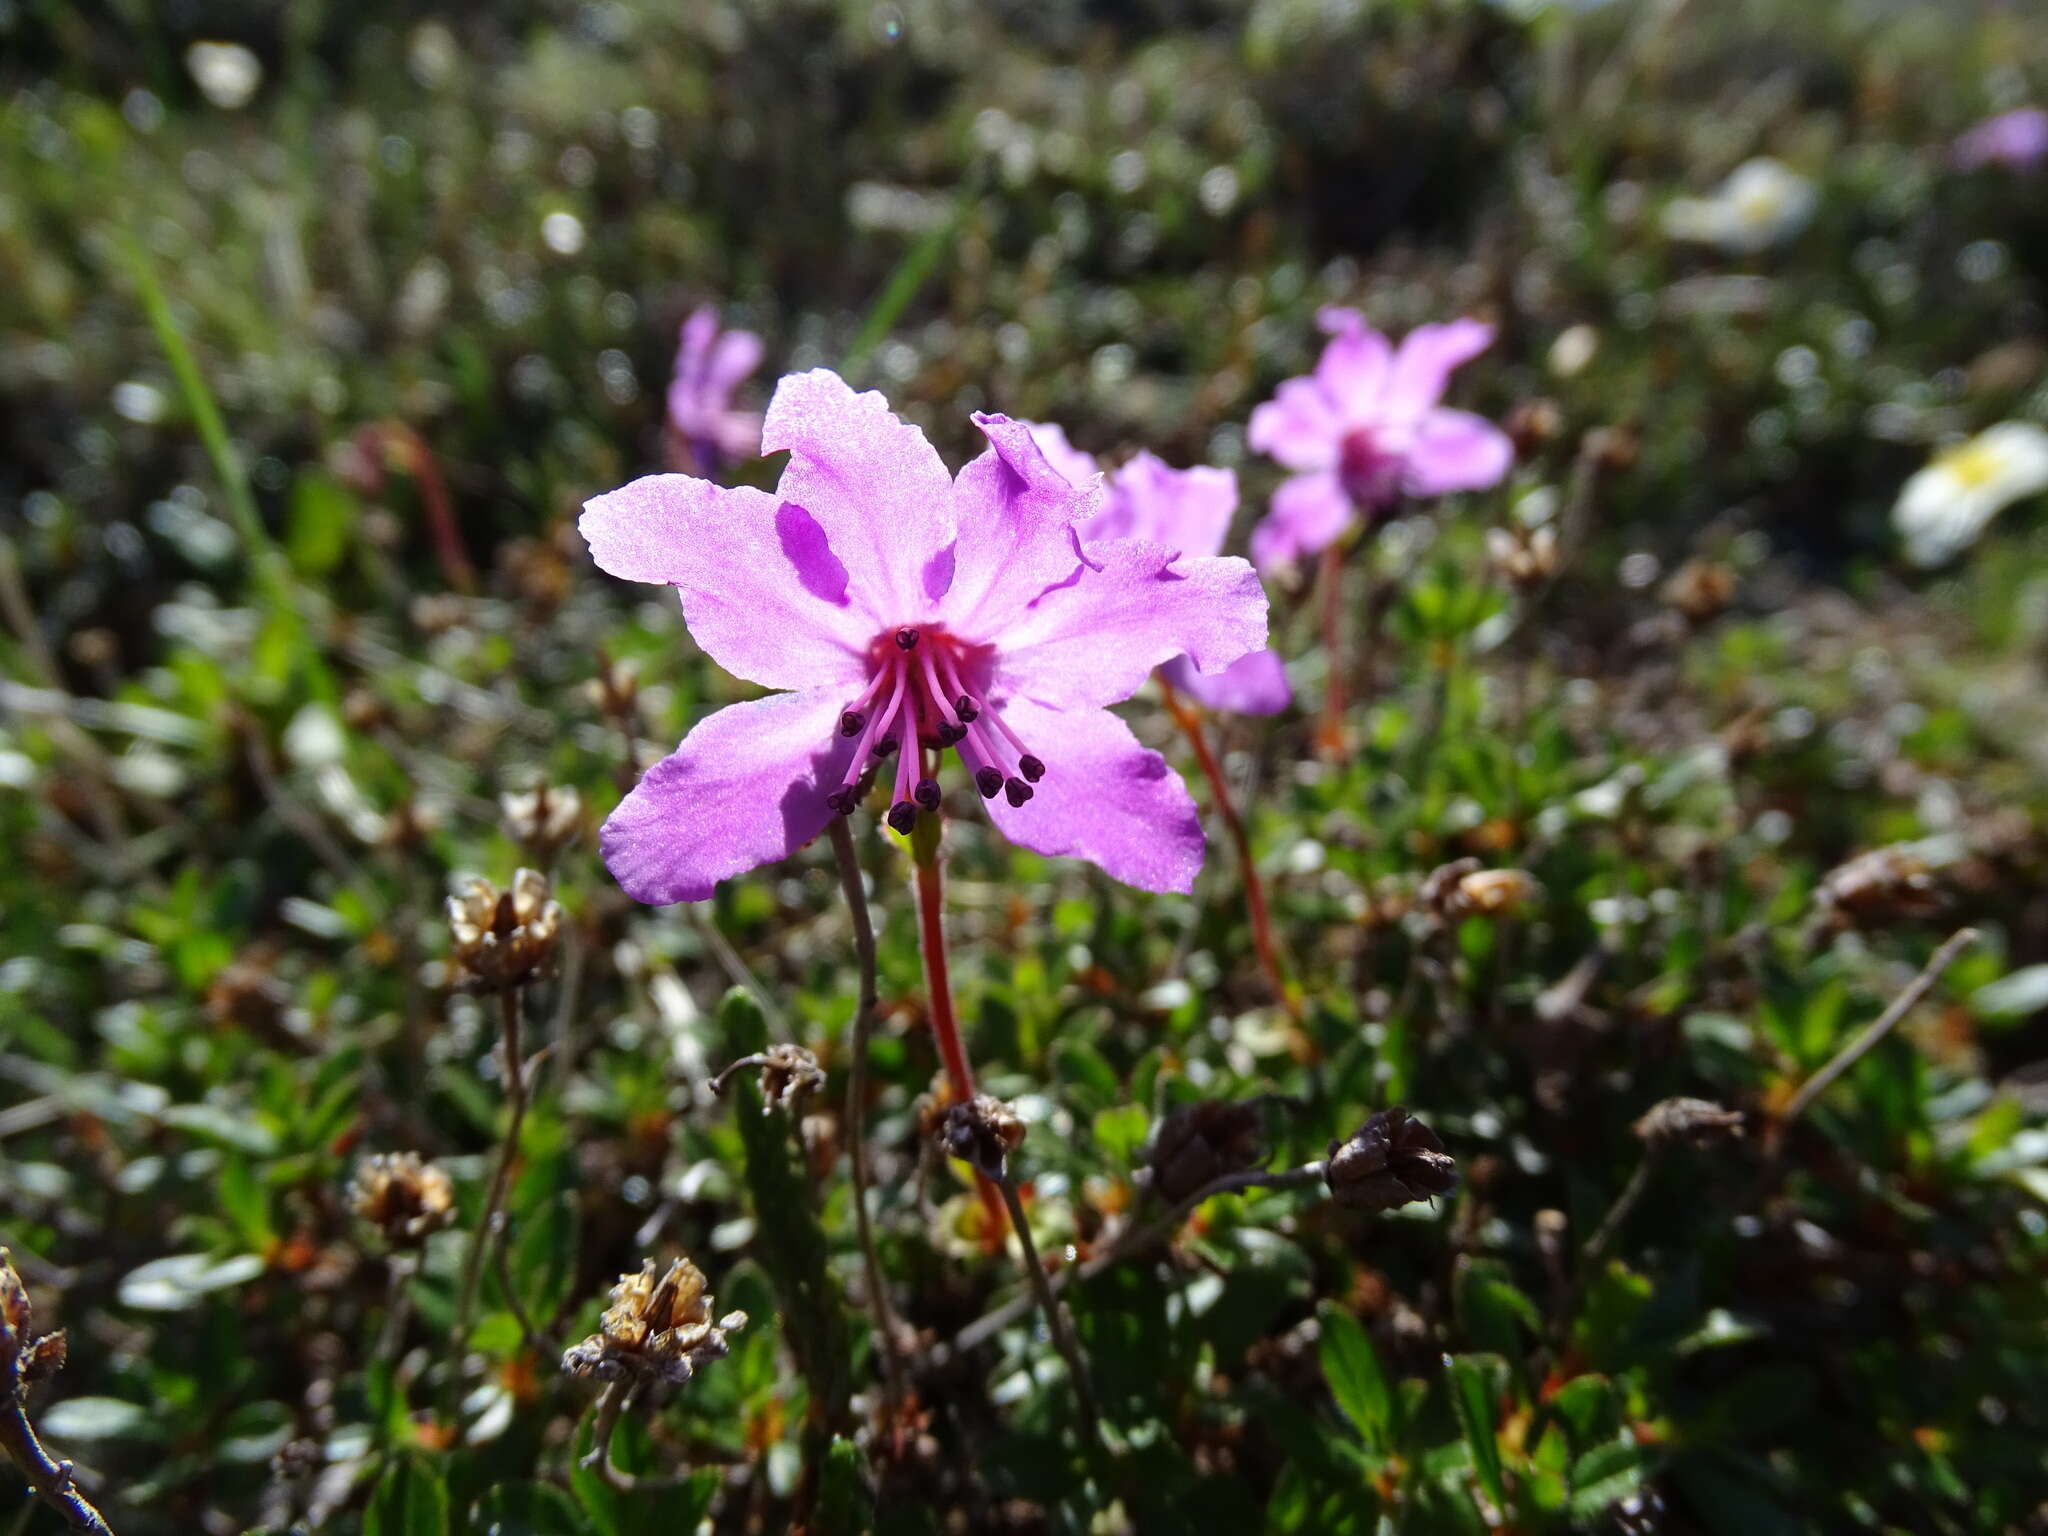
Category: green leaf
[410,1500]
[1604,1474]
[844,1508]
[529,1509]
[1120,1132]
[1356,1380]
[98,1418]
[320,523]
[1472,1399]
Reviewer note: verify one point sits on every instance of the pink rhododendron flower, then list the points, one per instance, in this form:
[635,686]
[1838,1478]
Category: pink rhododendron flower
[709,365]
[907,611]
[1184,509]
[1366,428]
[2016,139]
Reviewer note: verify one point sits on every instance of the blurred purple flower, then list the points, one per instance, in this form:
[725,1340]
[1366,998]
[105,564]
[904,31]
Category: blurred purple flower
[907,611]
[709,365]
[1188,510]
[1365,428]
[2016,139]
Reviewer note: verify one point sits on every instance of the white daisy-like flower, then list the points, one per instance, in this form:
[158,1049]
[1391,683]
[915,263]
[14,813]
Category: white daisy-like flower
[1764,202]
[227,73]
[1944,507]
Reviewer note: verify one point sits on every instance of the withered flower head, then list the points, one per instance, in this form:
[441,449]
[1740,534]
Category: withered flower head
[1701,589]
[1534,423]
[788,1073]
[504,939]
[1693,1120]
[655,1330]
[1892,884]
[982,1132]
[403,1196]
[1391,1160]
[544,820]
[24,1358]
[1200,1143]
[1463,889]
[1523,557]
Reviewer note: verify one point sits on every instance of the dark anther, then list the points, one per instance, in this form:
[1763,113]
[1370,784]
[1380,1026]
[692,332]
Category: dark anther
[1017,791]
[1031,767]
[949,733]
[926,794]
[885,746]
[966,709]
[903,816]
[851,722]
[906,639]
[989,781]
[841,800]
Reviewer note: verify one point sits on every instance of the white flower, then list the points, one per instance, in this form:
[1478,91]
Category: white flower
[1763,203]
[1943,507]
[227,73]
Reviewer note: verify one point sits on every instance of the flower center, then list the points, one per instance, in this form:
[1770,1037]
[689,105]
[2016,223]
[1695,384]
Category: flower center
[1974,465]
[926,692]
[1369,472]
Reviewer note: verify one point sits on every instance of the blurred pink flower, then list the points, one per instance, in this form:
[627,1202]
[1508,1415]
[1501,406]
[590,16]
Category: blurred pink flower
[1366,428]
[2016,139]
[1188,510]
[907,611]
[709,365]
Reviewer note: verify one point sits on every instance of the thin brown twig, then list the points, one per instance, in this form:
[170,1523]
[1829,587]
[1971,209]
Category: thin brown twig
[857,1102]
[1055,1317]
[487,1229]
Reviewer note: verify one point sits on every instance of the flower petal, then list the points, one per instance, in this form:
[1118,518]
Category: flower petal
[735,355]
[872,482]
[1422,367]
[1016,516]
[1184,509]
[1094,640]
[1355,366]
[1456,451]
[1062,455]
[1299,426]
[1308,513]
[1254,684]
[763,592]
[1104,798]
[746,787]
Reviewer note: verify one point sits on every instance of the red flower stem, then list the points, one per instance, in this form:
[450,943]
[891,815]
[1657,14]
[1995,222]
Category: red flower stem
[418,459]
[938,981]
[1190,722]
[1330,736]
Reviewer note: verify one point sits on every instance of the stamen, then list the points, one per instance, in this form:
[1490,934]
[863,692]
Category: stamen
[885,746]
[950,734]
[1016,791]
[851,722]
[989,781]
[906,639]
[903,816]
[1031,767]
[927,794]
[966,709]
[875,726]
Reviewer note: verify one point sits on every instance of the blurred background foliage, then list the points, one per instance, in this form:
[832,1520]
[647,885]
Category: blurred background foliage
[431,260]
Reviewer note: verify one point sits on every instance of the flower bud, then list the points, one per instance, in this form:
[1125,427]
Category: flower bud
[504,939]
[543,820]
[1701,589]
[403,1196]
[658,1330]
[788,1073]
[982,1132]
[1392,1160]
[1693,1120]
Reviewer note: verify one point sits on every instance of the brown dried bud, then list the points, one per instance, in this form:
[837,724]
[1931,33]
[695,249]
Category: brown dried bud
[788,1073]
[1463,889]
[45,1357]
[24,1358]
[659,1330]
[1693,1120]
[1886,885]
[543,820]
[616,688]
[1200,1143]
[1533,423]
[982,1132]
[1523,557]
[1392,1160]
[504,939]
[16,1315]
[1701,589]
[246,994]
[435,613]
[403,1196]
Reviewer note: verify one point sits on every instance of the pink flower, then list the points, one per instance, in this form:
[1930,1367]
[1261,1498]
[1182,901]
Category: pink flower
[1187,510]
[907,611]
[1365,429]
[2016,139]
[709,365]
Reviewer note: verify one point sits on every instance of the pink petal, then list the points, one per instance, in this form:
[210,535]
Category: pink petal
[1422,368]
[1016,516]
[1184,509]
[874,484]
[694,343]
[1298,426]
[746,788]
[735,355]
[763,592]
[1456,451]
[738,434]
[1308,513]
[1104,798]
[1094,640]
[1254,684]
[1062,455]
[1354,369]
